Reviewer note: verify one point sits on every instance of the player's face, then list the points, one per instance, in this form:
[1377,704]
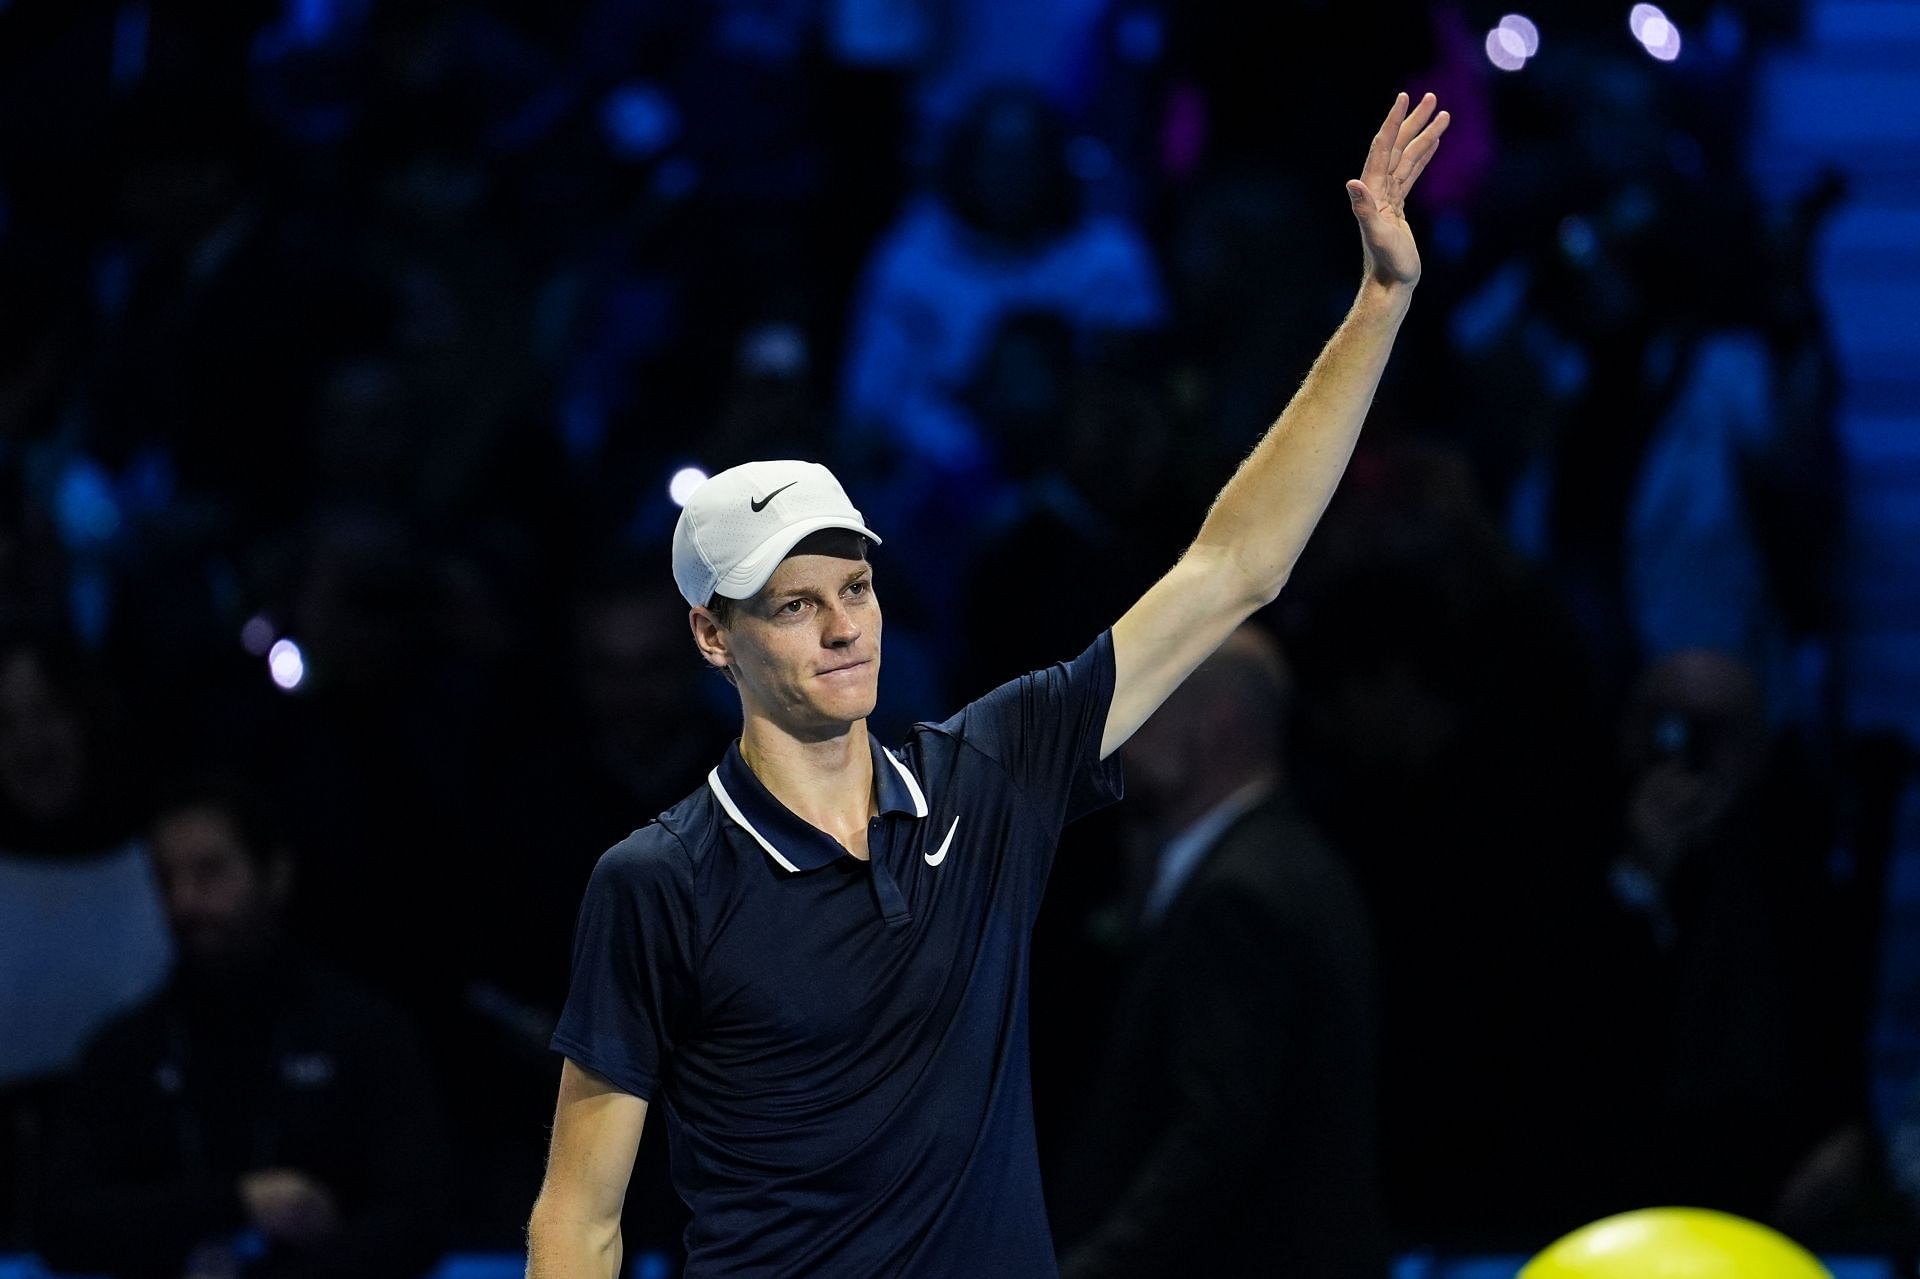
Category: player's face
[806,649]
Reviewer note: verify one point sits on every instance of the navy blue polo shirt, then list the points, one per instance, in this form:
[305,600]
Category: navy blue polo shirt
[839,1047]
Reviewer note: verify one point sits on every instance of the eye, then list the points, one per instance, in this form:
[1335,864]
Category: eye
[792,607]
[860,587]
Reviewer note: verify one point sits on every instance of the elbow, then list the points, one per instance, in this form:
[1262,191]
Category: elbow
[559,1233]
[1267,591]
[1237,582]
[1256,585]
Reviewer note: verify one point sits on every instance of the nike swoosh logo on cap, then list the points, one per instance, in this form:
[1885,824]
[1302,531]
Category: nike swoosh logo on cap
[761,505]
[934,859]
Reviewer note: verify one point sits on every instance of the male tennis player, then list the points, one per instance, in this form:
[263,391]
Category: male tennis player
[816,965]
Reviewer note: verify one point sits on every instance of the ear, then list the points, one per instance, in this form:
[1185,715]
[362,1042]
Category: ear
[710,638]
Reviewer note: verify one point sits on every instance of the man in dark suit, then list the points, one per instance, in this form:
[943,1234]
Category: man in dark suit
[1231,1130]
[260,1116]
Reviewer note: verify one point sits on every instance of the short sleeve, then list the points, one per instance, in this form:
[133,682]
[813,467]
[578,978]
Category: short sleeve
[632,987]
[1045,730]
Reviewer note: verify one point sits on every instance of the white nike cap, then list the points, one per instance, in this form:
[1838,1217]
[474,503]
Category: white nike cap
[737,527]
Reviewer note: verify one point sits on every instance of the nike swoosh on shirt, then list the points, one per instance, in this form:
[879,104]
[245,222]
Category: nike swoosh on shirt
[761,505]
[934,859]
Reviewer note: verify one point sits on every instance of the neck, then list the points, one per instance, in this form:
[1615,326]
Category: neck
[827,781]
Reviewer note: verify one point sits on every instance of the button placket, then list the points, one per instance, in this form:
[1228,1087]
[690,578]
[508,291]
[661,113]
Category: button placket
[886,889]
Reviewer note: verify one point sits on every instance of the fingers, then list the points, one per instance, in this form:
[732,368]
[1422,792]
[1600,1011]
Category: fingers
[1414,159]
[1410,128]
[1402,148]
[1380,151]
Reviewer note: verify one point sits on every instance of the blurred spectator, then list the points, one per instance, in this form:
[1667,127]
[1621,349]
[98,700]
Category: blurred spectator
[1246,260]
[1735,517]
[1232,1130]
[1003,231]
[1093,469]
[82,933]
[261,1116]
[1730,1067]
[1654,392]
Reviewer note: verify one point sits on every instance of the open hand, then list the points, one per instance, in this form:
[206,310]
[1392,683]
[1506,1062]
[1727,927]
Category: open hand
[1406,141]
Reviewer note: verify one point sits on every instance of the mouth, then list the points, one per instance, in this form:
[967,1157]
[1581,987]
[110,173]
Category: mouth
[843,669]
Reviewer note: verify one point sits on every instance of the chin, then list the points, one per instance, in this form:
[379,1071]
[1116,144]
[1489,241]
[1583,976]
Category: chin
[845,710]
[850,704]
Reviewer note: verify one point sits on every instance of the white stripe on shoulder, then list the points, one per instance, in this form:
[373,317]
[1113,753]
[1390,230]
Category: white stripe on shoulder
[913,787]
[733,811]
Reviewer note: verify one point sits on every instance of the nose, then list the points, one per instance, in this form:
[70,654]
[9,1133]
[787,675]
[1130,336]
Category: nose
[839,628]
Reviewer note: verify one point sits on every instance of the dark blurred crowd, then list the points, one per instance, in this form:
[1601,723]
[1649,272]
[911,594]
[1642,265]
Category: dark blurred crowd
[348,350]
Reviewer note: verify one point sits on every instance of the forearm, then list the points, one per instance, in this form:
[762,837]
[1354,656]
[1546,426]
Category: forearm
[574,1232]
[1264,515]
[563,1246]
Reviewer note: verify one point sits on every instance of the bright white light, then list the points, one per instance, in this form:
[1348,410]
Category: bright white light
[1504,50]
[257,635]
[1523,27]
[1655,31]
[286,664]
[685,480]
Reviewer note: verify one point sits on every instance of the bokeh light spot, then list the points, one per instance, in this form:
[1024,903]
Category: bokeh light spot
[1523,27]
[685,480]
[257,635]
[286,664]
[1501,54]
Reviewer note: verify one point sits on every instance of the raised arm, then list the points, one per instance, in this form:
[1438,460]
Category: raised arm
[1260,522]
[575,1228]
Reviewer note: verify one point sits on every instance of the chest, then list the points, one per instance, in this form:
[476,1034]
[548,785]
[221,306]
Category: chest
[861,953]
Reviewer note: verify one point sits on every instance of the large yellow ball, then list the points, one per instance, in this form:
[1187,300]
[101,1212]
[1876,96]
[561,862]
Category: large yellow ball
[1675,1243]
